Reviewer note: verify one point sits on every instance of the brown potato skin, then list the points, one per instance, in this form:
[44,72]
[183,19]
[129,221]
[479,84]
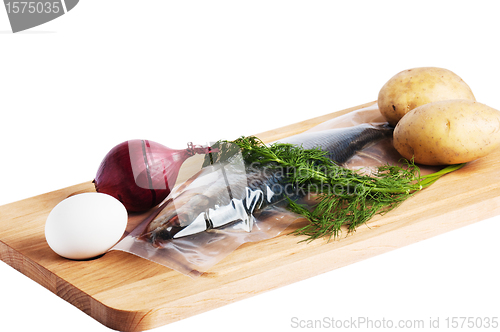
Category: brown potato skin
[448,132]
[415,87]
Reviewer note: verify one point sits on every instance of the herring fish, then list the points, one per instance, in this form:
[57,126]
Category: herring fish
[217,198]
[341,143]
[231,194]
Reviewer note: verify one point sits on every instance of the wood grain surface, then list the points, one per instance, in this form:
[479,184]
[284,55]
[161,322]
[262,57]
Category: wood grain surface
[128,293]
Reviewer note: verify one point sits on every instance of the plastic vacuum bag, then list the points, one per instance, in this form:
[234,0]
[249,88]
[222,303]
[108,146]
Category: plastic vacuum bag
[227,203]
[224,205]
[380,153]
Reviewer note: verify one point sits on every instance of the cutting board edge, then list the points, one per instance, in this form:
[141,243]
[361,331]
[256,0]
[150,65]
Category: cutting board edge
[362,250]
[145,319]
[95,309]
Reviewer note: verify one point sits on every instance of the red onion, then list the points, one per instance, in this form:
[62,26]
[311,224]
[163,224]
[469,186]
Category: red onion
[141,173]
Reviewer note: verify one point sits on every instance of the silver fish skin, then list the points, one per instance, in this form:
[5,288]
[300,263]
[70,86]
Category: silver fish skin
[220,195]
[215,199]
[341,143]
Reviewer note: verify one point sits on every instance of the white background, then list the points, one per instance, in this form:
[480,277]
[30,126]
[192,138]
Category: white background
[181,71]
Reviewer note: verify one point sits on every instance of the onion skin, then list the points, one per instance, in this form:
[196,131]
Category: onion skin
[141,173]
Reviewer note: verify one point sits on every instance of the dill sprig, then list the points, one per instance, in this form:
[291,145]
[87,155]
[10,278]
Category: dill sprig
[344,197]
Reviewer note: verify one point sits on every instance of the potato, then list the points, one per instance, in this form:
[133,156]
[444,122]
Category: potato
[419,86]
[448,132]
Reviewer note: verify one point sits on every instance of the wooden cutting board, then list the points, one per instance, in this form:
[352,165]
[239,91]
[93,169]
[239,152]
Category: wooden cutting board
[128,293]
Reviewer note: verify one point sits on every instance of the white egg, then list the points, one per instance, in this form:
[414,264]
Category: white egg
[86,225]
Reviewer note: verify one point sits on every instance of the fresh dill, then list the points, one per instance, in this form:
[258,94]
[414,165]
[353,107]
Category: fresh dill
[344,197]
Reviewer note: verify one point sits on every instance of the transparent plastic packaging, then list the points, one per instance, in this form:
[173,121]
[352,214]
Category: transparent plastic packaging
[228,203]
[379,153]
[207,217]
